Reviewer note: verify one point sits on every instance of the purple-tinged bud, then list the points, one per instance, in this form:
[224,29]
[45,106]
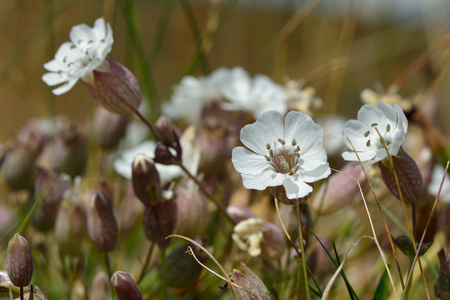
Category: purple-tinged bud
[168,135]
[108,128]
[19,261]
[182,268]
[164,156]
[100,287]
[279,193]
[339,191]
[71,151]
[160,221]
[145,179]
[101,222]
[442,283]
[117,89]
[251,286]
[125,287]
[70,227]
[43,218]
[19,168]
[239,213]
[408,175]
[193,216]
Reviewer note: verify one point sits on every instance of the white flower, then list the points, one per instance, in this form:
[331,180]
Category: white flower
[79,58]
[123,164]
[282,152]
[248,235]
[192,94]
[436,178]
[391,124]
[299,98]
[255,95]
[390,96]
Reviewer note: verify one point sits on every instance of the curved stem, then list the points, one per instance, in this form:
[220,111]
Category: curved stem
[147,261]
[164,286]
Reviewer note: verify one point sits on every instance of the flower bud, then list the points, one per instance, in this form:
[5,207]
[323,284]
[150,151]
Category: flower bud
[165,156]
[167,134]
[442,283]
[408,175]
[71,151]
[193,216]
[117,89]
[32,138]
[70,227]
[251,286]
[109,128]
[160,221]
[405,245]
[100,287]
[182,268]
[145,179]
[101,222]
[279,193]
[19,168]
[43,218]
[339,191]
[19,261]
[125,287]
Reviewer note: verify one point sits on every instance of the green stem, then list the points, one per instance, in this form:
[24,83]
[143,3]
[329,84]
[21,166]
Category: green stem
[108,268]
[160,30]
[147,261]
[164,286]
[303,258]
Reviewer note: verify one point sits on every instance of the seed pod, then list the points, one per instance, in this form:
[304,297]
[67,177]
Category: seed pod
[442,283]
[109,128]
[408,175]
[251,286]
[101,222]
[19,261]
[160,221]
[116,89]
[168,134]
[125,287]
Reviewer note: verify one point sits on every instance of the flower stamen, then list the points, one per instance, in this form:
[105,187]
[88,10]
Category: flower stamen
[281,141]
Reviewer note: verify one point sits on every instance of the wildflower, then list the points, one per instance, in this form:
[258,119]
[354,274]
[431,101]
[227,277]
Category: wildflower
[390,97]
[299,98]
[193,94]
[254,95]
[110,84]
[375,129]
[259,238]
[282,155]
[374,126]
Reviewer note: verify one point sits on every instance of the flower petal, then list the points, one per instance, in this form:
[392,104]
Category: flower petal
[247,162]
[296,188]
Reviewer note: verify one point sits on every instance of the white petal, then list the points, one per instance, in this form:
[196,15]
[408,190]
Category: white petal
[321,172]
[262,181]
[247,162]
[52,79]
[266,130]
[296,188]
[81,35]
[64,88]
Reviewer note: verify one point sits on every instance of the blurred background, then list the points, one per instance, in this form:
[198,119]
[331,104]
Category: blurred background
[337,47]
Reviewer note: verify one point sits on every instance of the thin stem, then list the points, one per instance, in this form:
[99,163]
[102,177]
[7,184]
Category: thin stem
[414,219]
[382,217]
[21,293]
[147,261]
[284,227]
[303,257]
[164,285]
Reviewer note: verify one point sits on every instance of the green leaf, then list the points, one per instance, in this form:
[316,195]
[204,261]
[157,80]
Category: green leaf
[382,290]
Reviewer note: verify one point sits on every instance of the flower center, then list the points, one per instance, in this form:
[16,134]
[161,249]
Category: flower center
[378,140]
[285,158]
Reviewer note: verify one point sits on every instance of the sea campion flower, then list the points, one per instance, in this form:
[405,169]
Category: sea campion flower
[301,98]
[285,155]
[436,178]
[111,84]
[375,125]
[376,129]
